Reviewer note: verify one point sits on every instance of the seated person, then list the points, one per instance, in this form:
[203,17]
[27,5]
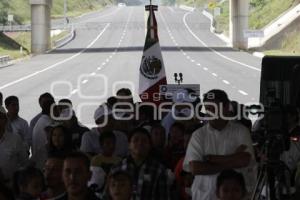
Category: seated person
[175,149]
[150,179]
[105,160]
[231,186]
[28,183]
[120,186]
[76,174]
[55,187]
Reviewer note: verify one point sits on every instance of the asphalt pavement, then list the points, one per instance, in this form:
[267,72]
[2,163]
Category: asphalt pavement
[106,53]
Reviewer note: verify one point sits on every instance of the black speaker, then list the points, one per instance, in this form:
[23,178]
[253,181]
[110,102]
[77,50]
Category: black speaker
[280,81]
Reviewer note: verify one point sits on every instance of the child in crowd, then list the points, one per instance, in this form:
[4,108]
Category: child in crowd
[230,185]
[120,186]
[101,163]
[28,183]
[60,141]
[175,148]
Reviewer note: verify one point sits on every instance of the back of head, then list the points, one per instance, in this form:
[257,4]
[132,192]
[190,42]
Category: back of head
[124,92]
[138,131]
[216,95]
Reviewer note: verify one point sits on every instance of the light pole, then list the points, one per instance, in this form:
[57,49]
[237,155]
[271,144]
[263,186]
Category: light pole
[65,12]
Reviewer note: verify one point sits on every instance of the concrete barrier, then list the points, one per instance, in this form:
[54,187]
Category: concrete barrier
[63,41]
[5,61]
[187,8]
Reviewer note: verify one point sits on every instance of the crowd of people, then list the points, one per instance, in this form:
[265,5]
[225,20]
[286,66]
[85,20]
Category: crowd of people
[134,155]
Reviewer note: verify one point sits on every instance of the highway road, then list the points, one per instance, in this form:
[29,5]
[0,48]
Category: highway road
[106,53]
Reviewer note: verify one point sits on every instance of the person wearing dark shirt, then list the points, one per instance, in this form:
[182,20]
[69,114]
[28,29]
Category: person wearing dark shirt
[175,148]
[158,139]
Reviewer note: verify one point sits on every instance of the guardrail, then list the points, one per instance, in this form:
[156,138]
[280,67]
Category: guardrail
[61,42]
[4,61]
[17,28]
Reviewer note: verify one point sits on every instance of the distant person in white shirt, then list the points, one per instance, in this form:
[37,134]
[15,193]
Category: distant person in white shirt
[40,135]
[13,153]
[219,145]
[18,124]
[105,122]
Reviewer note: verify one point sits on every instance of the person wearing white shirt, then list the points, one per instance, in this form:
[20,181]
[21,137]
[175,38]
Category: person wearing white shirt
[18,124]
[104,120]
[219,145]
[39,135]
[13,152]
[43,98]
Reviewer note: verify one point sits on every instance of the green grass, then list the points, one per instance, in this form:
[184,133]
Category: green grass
[21,8]
[290,46]
[77,7]
[10,47]
[222,21]
[262,15]
[21,11]
[59,36]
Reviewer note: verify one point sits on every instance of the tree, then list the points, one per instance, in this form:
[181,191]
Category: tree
[4,7]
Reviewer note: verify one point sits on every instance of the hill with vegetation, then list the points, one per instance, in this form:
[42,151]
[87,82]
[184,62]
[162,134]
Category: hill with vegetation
[262,12]
[21,8]
[10,42]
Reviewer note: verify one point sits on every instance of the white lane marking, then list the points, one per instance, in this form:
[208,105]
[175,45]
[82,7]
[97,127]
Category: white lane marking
[74,91]
[211,49]
[198,64]
[98,68]
[226,82]
[184,53]
[107,60]
[188,57]
[84,81]
[205,68]
[114,53]
[110,56]
[214,74]
[103,63]
[192,60]
[93,74]
[243,92]
[56,64]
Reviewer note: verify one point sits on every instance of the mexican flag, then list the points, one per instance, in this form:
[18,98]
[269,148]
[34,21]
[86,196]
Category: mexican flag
[152,70]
